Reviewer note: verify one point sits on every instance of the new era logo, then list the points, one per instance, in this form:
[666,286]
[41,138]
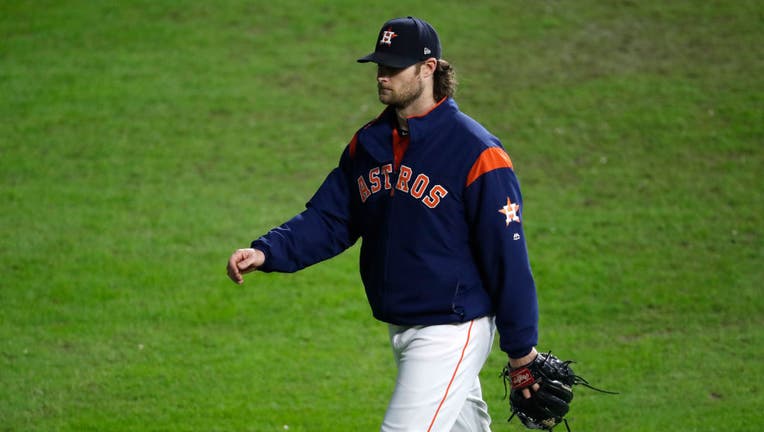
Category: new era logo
[427,51]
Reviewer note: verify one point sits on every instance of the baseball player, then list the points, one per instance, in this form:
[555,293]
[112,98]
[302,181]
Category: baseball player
[434,198]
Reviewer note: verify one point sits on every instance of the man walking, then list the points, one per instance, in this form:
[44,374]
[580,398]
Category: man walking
[434,198]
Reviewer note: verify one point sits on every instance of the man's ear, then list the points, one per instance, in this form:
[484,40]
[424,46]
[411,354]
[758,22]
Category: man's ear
[428,67]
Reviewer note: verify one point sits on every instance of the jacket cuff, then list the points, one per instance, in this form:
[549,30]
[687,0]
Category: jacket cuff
[519,353]
[263,247]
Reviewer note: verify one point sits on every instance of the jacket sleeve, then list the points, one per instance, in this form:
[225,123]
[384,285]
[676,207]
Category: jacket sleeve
[494,211]
[321,231]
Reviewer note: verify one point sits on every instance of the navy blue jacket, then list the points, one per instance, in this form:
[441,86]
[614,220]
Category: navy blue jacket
[442,233]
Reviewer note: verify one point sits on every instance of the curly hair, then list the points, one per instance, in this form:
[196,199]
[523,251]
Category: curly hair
[444,80]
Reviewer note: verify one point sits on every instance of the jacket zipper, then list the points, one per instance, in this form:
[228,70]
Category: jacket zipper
[400,145]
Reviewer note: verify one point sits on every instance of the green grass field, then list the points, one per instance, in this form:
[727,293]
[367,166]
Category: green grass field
[141,142]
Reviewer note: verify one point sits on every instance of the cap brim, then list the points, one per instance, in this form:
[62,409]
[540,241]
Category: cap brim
[386,59]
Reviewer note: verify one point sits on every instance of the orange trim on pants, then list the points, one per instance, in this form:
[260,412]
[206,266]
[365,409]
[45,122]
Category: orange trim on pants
[464,349]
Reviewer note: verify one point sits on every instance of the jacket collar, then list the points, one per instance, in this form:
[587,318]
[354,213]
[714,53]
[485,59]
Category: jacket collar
[376,137]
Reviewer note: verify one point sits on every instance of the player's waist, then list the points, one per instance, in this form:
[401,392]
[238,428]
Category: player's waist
[427,302]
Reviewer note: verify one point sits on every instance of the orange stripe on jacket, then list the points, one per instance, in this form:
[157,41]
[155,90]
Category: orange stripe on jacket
[432,108]
[491,159]
[352,145]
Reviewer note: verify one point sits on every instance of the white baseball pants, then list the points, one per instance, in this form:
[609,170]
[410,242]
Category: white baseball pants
[437,388]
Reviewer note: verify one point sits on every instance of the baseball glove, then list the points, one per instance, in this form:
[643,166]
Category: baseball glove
[547,407]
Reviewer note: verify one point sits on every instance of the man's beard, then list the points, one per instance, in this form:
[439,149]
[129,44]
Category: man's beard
[405,97]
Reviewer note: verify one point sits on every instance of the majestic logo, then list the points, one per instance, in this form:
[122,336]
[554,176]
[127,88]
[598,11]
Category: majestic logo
[387,37]
[510,212]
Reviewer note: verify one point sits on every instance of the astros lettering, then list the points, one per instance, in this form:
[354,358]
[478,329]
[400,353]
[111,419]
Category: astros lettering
[379,178]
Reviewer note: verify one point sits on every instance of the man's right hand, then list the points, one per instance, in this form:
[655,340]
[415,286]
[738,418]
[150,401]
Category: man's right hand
[515,363]
[244,261]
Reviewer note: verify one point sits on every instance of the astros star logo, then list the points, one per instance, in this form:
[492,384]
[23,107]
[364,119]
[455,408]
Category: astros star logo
[387,36]
[510,211]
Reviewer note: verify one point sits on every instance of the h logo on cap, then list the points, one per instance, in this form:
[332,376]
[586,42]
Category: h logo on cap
[415,41]
[387,36]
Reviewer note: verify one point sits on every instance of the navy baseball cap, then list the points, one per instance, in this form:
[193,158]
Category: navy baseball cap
[403,42]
